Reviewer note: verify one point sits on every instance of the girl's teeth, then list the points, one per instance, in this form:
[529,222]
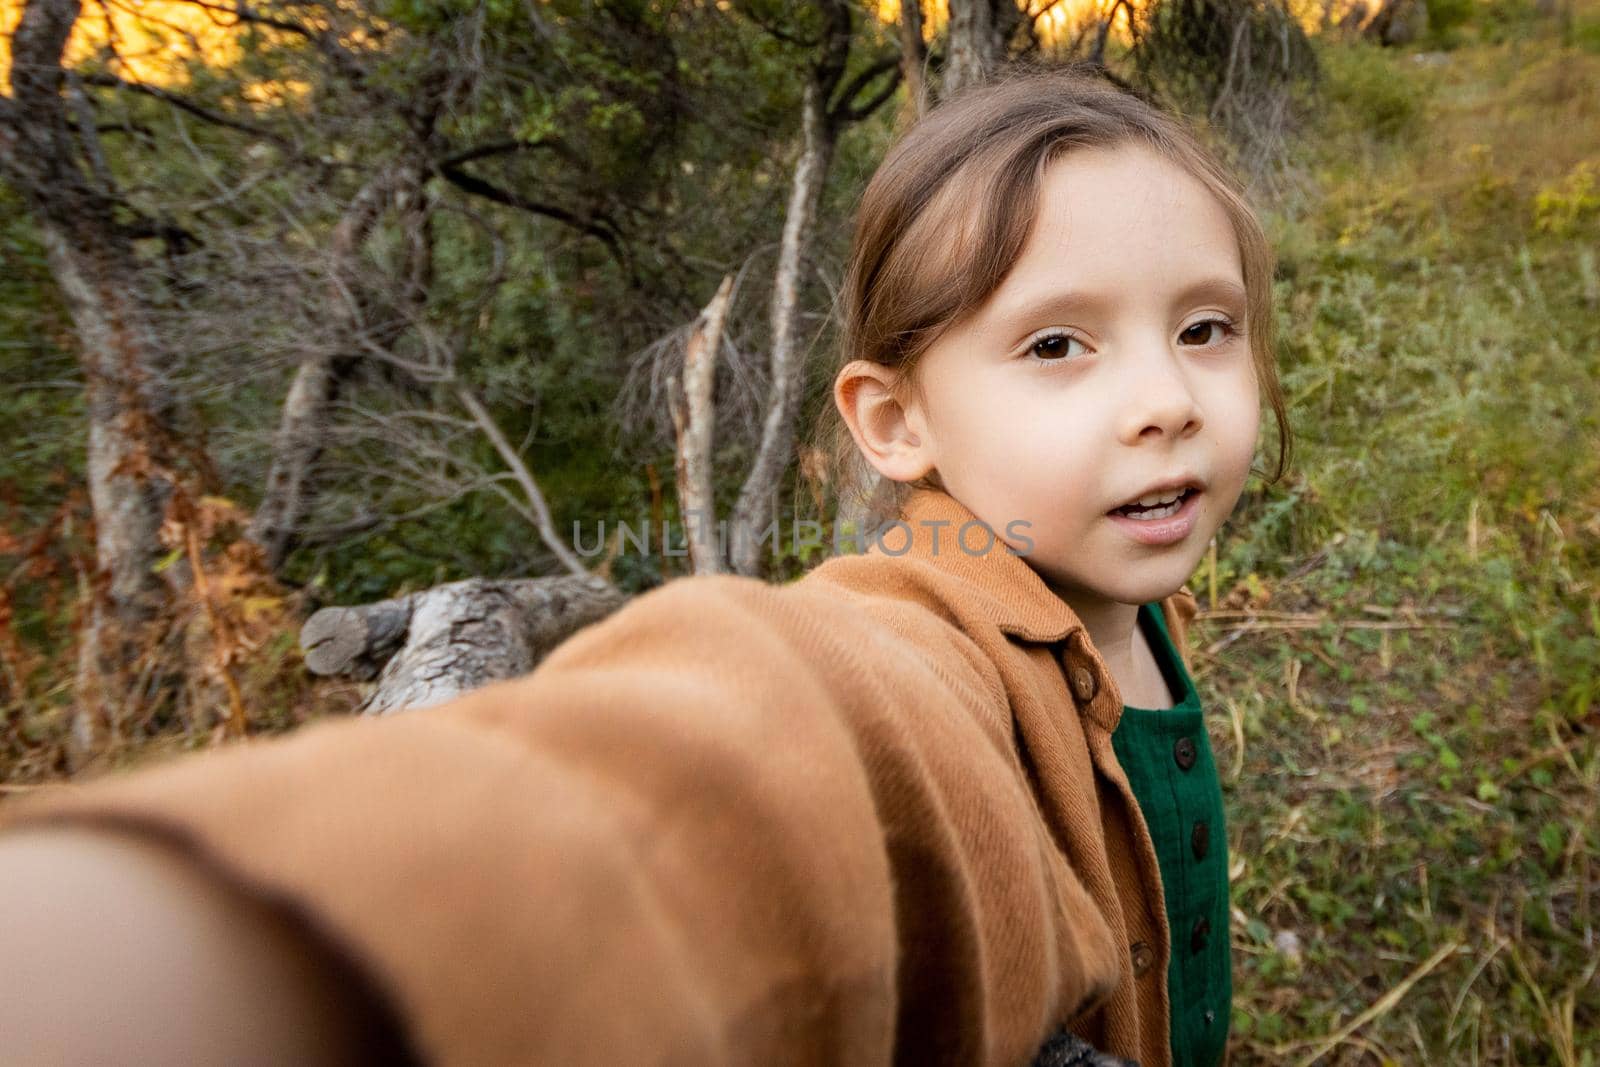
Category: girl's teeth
[1156,507]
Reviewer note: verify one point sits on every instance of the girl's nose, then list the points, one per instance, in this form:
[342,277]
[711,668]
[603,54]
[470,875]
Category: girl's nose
[1160,402]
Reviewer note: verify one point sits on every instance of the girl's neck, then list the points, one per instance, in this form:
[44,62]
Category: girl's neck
[1114,630]
[1112,627]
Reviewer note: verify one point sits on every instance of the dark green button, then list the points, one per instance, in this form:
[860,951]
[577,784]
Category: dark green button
[1200,839]
[1184,752]
[1199,935]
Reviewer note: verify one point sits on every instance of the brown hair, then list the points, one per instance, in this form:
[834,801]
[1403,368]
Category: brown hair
[951,207]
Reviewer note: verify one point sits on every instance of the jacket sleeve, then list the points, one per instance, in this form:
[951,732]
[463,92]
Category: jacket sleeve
[733,823]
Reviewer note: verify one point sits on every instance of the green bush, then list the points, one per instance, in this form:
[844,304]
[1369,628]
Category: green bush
[1446,18]
[1504,20]
[1586,35]
[1362,85]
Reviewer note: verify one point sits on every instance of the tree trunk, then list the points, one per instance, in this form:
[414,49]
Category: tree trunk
[130,407]
[302,427]
[91,259]
[303,423]
[756,508]
[913,59]
[1097,54]
[694,422]
[971,59]
[1007,16]
[431,646]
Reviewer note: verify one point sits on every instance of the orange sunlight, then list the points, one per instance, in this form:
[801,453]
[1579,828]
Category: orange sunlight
[153,39]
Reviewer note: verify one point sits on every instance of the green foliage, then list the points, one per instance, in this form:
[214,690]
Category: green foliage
[1506,20]
[1447,19]
[1363,84]
[1565,206]
[1419,762]
[1586,33]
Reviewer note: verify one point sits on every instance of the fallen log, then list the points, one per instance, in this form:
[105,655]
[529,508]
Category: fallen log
[427,647]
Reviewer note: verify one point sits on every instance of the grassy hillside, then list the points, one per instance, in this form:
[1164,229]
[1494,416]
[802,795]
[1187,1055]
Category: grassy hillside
[1406,644]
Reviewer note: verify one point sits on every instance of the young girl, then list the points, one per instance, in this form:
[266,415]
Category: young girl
[932,803]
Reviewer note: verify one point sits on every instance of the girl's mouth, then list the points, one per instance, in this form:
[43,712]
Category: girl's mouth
[1156,506]
[1161,519]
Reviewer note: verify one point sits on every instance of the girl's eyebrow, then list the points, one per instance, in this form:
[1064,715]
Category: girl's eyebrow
[1022,315]
[1222,290]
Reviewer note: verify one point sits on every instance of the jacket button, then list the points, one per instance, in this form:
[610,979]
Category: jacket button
[1083,684]
[1200,839]
[1199,935]
[1184,752]
[1143,957]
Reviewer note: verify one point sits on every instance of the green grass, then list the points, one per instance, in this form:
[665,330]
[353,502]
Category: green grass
[1409,742]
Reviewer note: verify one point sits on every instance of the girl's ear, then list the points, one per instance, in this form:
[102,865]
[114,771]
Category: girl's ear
[893,440]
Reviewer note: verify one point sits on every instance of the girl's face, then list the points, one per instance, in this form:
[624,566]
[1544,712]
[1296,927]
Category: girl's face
[1111,365]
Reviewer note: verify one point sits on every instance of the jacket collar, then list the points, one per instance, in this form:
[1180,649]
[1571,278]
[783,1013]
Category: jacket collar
[1010,592]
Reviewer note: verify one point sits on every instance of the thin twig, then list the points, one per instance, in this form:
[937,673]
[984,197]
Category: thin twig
[1382,1006]
[1317,624]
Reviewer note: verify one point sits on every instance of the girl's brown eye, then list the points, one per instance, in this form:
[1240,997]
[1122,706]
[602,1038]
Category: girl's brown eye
[1204,335]
[1054,347]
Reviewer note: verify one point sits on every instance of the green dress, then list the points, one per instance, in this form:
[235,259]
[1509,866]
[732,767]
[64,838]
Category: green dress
[1167,758]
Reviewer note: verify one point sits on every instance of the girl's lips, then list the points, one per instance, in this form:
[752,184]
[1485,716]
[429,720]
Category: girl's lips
[1167,531]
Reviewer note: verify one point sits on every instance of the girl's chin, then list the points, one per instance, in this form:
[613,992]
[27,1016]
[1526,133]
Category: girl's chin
[1133,591]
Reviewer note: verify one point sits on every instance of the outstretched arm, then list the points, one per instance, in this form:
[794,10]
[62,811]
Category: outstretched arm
[732,823]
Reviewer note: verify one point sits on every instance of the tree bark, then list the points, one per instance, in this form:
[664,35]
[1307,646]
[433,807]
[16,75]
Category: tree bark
[979,41]
[1007,16]
[971,53]
[92,262]
[695,422]
[913,58]
[128,399]
[431,646]
[756,508]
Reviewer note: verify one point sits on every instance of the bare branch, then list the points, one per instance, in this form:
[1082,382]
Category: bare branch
[603,232]
[183,103]
[342,59]
[501,148]
[845,110]
[696,498]
[530,488]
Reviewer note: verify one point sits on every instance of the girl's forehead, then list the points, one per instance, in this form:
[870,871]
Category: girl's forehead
[1129,188]
[1122,222]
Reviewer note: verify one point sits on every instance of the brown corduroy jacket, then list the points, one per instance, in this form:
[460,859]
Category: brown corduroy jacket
[870,816]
